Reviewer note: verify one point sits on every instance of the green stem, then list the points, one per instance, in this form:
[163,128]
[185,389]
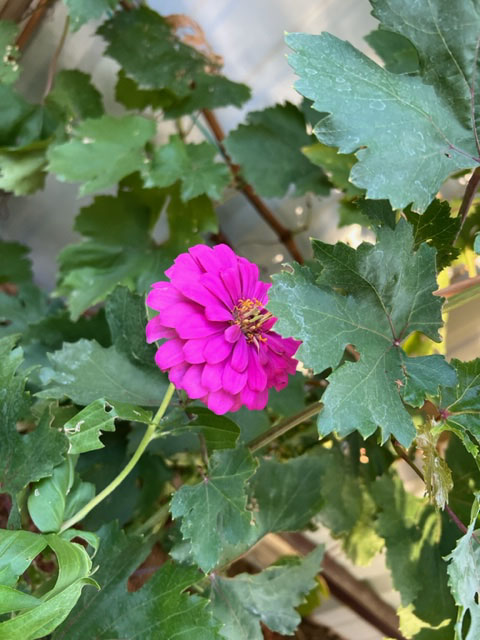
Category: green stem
[150,433]
[284,426]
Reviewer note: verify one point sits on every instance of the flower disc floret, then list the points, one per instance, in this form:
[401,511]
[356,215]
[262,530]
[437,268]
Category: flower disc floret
[219,345]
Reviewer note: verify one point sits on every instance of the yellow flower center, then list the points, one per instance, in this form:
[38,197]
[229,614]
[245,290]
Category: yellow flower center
[250,315]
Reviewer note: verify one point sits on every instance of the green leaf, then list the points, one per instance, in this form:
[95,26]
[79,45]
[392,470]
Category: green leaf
[437,474]
[9,52]
[219,432]
[397,52]
[24,458]
[214,511]
[46,502]
[117,247]
[33,622]
[476,243]
[75,95]
[132,97]
[82,11]
[379,212]
[336,165]
[438,230]
[22,171]
[83,430]
[460,402]
[269,151]
[446,57]
[159,609]
[15,266]
[285,495]
[423,377]
[209,91]
[192,164]
[17,550]
[347,507]
[84,370]
[192,81]
[463,572]
[102,151]
[270,597]
[13,600]
[369,107]
[388,291]
[415,543]
[127,318]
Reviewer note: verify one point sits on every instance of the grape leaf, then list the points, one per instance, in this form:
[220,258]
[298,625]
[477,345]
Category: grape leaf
[208,92]
[445,35]
[15,266]
[396,51]
[336,165]
[22,171]
[83,430]
[82,11]
[118,247]
[166,63]
[214,511]
[423,377]
[271,597]
[460,403]
[464,571]
[75,95]
[269,151]
[127,318]
[415,542]
[102,151]
[84,370]
[158,609]
[218,431]
[128,93]
[192,164]
[369,107]
[347,507]
[23,458]
[9,52]
[388,291]
[437,229]
[282,496]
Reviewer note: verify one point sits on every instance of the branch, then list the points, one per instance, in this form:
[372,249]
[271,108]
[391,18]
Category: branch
[282,427]
[53,63]
[468,197]
[451,513]
[283,233]
[33,23]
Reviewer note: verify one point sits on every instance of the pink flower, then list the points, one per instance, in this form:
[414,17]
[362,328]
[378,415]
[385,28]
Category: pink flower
[220,347]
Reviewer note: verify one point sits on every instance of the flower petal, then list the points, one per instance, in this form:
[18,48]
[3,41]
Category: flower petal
[233,381]
[233,333]
[212,375]
[169,354]
[216,349]
[254,400]
[257,378]
[192,382]
[220,402]
[193,351]
[156,331]
[240,355]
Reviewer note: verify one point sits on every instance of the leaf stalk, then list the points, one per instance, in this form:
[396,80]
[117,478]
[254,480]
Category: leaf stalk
[149,435]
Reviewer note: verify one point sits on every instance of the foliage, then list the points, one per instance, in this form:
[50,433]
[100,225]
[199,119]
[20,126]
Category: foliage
[128,505]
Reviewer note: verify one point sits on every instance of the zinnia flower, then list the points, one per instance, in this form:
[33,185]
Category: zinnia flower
[220,347]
